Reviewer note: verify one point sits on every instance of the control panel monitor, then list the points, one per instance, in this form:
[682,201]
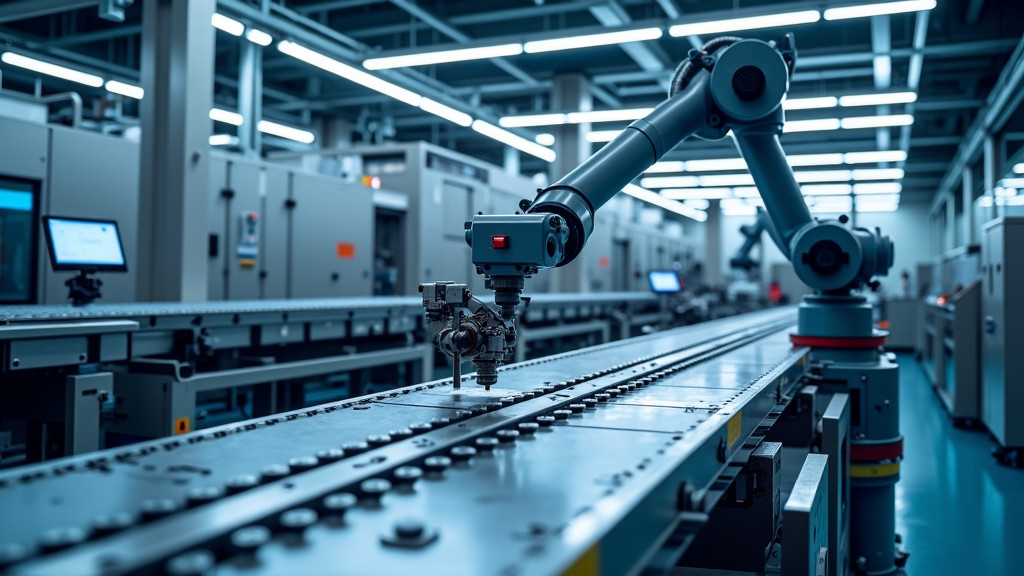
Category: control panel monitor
[83,244]
[664,281]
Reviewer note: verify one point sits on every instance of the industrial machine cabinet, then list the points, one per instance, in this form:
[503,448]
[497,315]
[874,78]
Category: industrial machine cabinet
[1003,334]
[952,325]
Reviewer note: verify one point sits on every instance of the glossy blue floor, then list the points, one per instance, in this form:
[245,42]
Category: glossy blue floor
[958,511]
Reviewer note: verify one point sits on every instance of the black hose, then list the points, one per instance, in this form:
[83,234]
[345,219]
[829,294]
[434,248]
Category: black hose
[689,68]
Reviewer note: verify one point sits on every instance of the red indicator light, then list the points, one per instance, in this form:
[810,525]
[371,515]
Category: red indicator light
[499,242]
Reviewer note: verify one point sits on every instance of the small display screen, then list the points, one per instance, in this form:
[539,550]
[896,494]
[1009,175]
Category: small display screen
[18,233]
[76,244]
[664,281]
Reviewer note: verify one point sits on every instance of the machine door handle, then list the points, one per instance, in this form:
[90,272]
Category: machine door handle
[990,325]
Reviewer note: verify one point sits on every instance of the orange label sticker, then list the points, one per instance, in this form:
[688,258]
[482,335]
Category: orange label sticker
[182,426]
[346,250]
[603,261]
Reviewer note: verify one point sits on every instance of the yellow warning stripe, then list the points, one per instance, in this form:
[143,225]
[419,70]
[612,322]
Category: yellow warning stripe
[587,565]
[734,428]
[874,470]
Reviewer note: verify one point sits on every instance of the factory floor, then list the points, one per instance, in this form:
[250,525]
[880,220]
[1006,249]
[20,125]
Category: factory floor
[958,511]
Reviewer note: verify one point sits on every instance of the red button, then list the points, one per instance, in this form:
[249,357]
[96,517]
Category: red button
[499,241]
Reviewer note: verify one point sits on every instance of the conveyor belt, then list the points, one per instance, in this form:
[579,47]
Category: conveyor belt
[528,507]
[46,313]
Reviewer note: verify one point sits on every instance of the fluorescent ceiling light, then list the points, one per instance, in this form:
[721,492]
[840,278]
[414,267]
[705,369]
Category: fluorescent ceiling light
[1005,192]
[544,139]
[124,89]
[514,140]
[811,125]
[670,205]
[746,192]
[532,120]
[223,140]
[730,202]
[282,131]
[878,9]
[697,203]
[443,56]
[880,199]
[877,173]
[1018,168]
[447,112]
[877,121]
[727,180]
[826,189]
[229,25]
[666,166]
[696,193]
[882,99]
[749,23]
[810,103]
[226,116]
[348,72]
[588,40]
[607,115]
[670,182]
[822,176]
[877,188]
[1012,182]
[716,164]
[882,207]
[257,36]
[872,157]
[602,135]
[815,160]
[51,69]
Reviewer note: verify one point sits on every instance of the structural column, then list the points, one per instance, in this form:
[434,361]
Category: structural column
[967,197]
[713,245]
[990,165]
[250,97]
[950,222]
[570,93]
[177,75]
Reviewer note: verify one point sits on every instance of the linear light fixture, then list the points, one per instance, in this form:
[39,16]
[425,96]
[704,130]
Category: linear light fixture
[607,115]
[347,72]
[531,120]
[826,189]
[598,136]
[229,25]
[514,140]
[881,99]
[747,23]
[1012,182]
[727,180]
[697,203]
[226,116]
[443,56]
[671,205]
[801,160]
[447,112]
[259,37]
[804,176]
[667,166]
[50,69]
[590,40]
[821,124]
[696,193]
[878,9]
[877,188]
[872,157]
[716,164]
[1018,168]
[810,103]
[861,174]
[123,89]
[282,131]
[739,210]
[545,139]
[746,192]
[223,140]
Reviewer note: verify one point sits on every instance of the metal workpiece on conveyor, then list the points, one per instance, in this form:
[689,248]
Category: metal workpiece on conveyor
[572,451]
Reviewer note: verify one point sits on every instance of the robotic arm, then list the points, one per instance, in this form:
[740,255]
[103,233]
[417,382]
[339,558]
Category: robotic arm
[751,237]
[731,86]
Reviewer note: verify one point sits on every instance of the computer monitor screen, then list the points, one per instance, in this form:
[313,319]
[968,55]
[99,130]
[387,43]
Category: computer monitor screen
[81,244]
[664,281]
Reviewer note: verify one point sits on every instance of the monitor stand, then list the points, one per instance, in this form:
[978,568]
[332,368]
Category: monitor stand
[82,289]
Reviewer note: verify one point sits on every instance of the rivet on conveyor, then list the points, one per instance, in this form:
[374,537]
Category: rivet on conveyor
[108,524]
[249,539]
[486,443]
[612,392]
[241,483]
[192,563]
[199,495]
[296,520]
[11,553]
[303,463]
[435,465]
[61,538]
[577,408]
[410,533]
[404,477]
[401,433]
[545,421]
[462,454]
[561,414]
[371,491]
[507,436]
[353,448]
[336,505]
[378,440]
[603,397]
[420,427]
[156,508]
[330,455]
[273,473]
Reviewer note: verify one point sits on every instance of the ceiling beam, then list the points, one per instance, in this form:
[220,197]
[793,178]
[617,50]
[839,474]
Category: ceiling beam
[25,9]
[96,36]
